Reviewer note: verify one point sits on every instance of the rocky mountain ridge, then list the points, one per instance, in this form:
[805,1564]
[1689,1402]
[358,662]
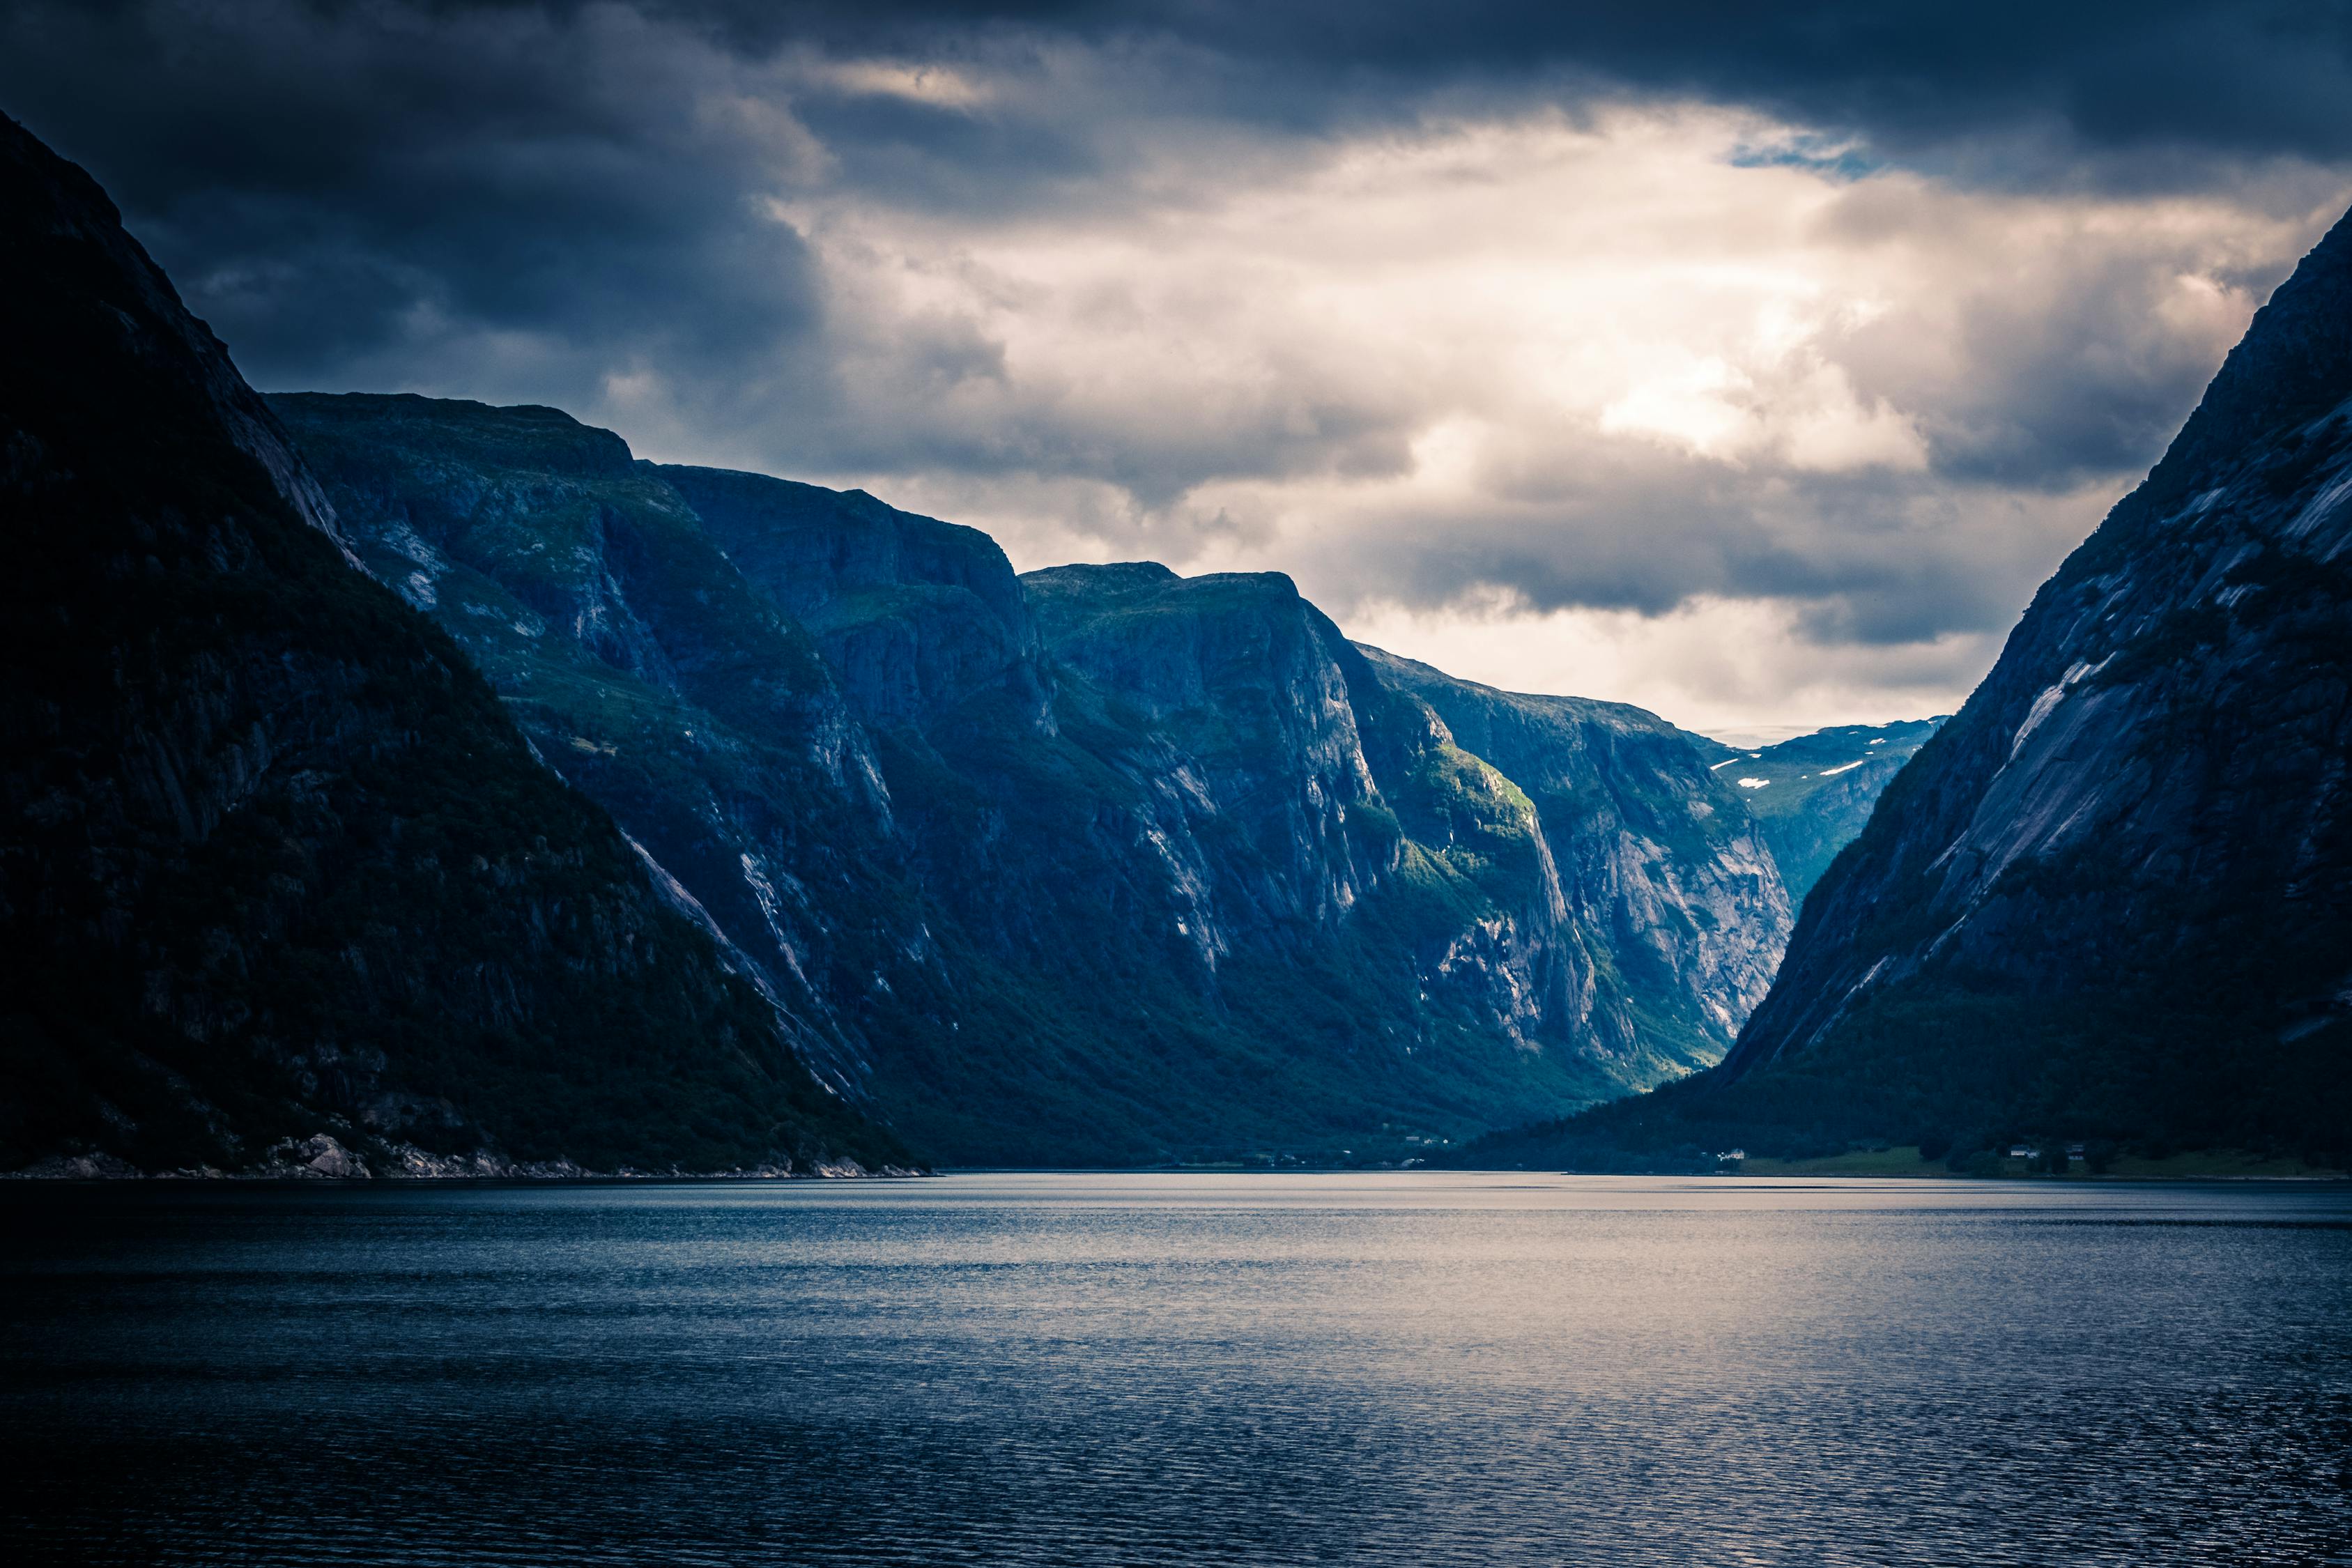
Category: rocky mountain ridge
[2149,792]
[1665,881]
[655,818]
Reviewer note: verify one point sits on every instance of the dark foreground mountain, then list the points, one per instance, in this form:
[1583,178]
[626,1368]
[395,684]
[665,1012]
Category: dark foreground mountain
[1100,865]
[2111,900]
[1810,795]
[281,887]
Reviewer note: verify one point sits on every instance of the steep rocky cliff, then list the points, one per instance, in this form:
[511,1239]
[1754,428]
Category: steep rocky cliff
[1810,795]
[1668,884]
[281,888]
[648,672]
[1306,804]
[2112,899]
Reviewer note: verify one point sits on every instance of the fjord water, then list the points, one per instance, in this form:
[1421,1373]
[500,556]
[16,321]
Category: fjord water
[1415,1368]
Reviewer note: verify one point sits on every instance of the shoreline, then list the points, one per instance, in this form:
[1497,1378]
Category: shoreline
[71,1172]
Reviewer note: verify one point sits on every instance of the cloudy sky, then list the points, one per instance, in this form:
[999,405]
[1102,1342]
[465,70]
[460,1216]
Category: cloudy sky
[1753,368]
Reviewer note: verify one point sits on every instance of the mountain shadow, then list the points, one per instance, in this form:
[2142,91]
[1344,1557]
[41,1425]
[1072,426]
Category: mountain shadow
[282,888]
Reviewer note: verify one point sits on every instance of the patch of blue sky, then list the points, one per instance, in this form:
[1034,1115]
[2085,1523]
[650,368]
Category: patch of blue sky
[1837,158]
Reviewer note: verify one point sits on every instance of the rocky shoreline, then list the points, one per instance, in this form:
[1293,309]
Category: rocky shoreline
[324,1157]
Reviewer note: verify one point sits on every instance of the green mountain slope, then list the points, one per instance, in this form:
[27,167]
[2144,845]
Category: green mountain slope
[1668,883]
[645,670]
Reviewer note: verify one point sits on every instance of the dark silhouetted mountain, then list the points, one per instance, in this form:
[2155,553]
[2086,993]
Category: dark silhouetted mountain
[281,887]
[2112,899]
[1102,864]
[1810,795]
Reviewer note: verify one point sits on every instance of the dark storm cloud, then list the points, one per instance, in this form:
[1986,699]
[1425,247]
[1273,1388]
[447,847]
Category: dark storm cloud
[345,187]
[2071,371]
[1866,558]
[340,177]
[2264,78]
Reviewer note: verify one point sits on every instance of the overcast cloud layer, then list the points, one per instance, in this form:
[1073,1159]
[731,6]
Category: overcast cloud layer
[1752,369]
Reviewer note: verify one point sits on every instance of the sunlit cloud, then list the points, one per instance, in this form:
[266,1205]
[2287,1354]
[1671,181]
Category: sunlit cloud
[1494,372]
[918,83]
[1729,668]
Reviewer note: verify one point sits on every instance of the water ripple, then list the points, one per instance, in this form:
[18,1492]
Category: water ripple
[1090,1370]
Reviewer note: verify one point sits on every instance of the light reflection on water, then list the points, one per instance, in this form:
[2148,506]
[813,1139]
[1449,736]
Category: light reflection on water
[1418,1369]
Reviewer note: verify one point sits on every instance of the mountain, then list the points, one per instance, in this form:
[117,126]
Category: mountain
[282,888]
[2112,899]
[645,670]
[1669,882]
[412,785]
[1810,795]
[916,616]
[1098,865]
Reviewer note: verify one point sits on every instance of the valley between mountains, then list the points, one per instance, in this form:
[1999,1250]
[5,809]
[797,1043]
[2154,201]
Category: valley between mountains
[413,787]
[409,786]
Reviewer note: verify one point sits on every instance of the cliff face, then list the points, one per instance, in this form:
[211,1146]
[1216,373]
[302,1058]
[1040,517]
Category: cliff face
[2114,893]
[280,886]
[649,671]
[1240,733]
[1668,887]
[1290,792]
[914,614]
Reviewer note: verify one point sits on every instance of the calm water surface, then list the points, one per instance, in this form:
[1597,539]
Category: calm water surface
[1141,1370]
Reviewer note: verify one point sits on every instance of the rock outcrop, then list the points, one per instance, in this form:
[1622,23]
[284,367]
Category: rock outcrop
[1668,886]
